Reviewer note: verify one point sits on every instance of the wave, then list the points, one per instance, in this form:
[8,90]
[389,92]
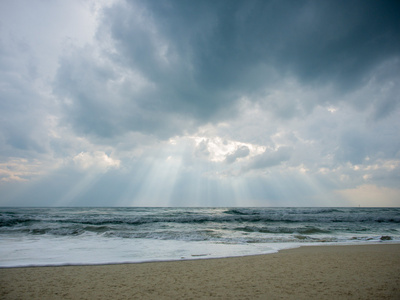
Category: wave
[320,215]
[264,216]
[9,222]
[285,230]
[223,225]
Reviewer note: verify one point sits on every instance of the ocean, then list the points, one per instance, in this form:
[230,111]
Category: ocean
[75,236]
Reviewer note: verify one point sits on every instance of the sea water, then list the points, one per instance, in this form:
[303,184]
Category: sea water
[63,236]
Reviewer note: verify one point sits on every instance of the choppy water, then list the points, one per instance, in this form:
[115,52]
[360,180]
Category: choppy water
[54,236]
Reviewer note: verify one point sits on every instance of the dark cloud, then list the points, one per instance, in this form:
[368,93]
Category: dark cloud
[330,40]
[240,152]
[23,110]
[100,101]
[201,150]
[353,147]
[200,58]
[269,159]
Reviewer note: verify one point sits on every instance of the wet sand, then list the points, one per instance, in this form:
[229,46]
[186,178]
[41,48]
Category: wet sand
[317,272]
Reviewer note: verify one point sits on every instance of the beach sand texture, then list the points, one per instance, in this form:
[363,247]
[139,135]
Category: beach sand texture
[328,272]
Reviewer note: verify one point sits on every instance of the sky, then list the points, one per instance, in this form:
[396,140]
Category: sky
[199,103]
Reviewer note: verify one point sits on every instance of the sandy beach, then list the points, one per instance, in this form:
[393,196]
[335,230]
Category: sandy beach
[328,272]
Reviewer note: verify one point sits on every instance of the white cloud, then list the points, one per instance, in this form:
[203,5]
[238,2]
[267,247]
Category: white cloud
[18,170]
[218,149]
[96,160]
[21,169]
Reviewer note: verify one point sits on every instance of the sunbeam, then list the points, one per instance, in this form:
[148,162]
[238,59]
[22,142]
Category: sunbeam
[80,187]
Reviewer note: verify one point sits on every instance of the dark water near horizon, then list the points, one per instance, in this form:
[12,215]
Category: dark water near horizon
[47,236]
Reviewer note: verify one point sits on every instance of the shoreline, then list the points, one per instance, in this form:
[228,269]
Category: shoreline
[195,257]
[367,271]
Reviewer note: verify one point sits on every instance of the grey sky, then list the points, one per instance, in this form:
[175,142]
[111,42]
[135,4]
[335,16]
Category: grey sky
[193,103]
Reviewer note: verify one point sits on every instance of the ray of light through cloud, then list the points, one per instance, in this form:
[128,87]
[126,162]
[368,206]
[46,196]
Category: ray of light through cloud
[199,103]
